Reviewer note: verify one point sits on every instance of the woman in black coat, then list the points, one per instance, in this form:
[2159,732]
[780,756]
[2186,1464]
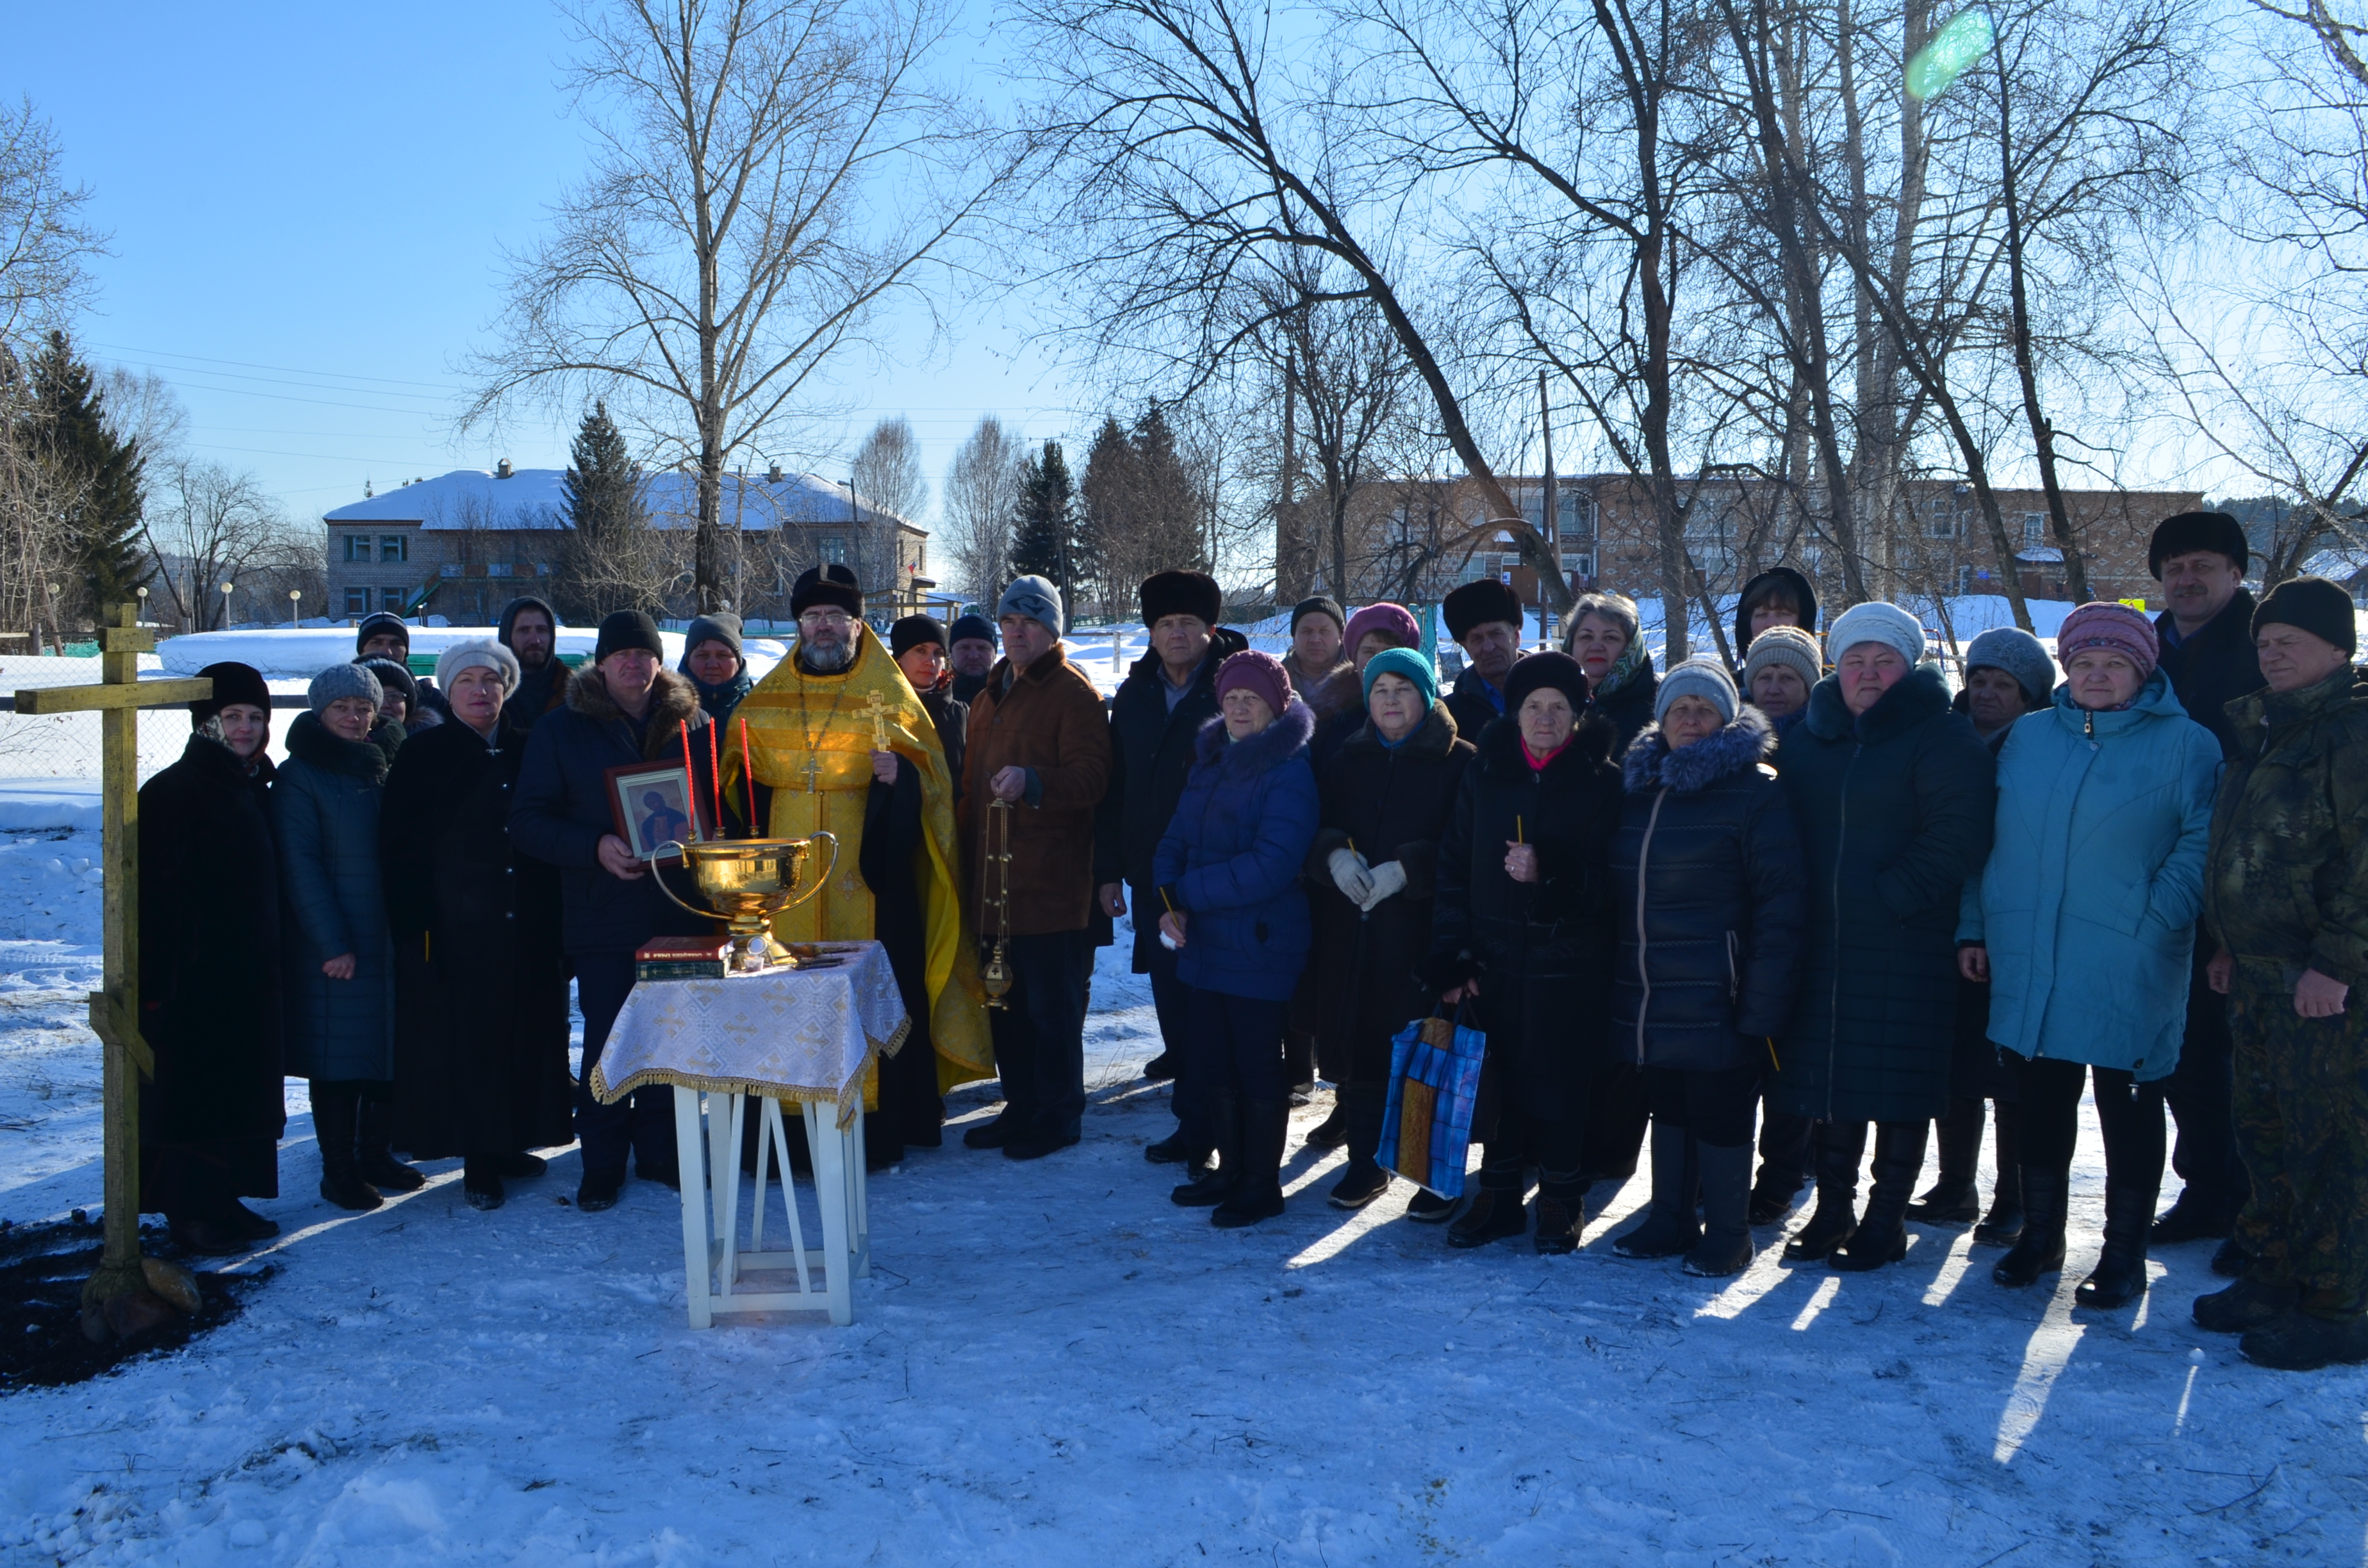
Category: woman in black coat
[210,1002]
[1893,796]
[1386,796]
[1709,871]
[1522,925]
[481,1066]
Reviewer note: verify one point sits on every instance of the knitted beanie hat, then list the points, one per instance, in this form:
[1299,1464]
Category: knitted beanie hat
[1702,677]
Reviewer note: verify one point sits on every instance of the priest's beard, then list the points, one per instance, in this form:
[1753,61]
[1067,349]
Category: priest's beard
[825,658]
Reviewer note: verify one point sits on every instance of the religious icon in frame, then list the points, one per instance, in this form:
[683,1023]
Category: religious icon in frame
[653,803]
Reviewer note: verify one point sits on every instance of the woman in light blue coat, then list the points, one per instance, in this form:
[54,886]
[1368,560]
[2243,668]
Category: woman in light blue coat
[2084,920]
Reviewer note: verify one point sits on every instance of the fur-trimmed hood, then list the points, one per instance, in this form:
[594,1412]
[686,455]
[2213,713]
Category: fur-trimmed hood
[1434,737]
[309,740]
[1919,695]
[1277,744]
[673,702]
[1500,748]
[1742,744]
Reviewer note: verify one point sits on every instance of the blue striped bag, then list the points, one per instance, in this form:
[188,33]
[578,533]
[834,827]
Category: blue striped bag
[1426,1120]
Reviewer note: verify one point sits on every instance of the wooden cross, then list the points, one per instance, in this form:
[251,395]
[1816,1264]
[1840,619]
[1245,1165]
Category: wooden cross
[115,1011]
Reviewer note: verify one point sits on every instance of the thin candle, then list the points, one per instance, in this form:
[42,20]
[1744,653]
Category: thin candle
[714,781]
[748,780]
[689,776]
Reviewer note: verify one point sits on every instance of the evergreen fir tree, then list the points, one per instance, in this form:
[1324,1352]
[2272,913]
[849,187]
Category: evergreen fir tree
[1043,533]
[607,551]
[70,424]
[1107,500]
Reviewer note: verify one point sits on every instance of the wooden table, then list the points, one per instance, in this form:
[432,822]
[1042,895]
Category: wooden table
[808,1037]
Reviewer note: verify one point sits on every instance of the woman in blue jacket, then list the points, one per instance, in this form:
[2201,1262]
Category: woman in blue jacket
[1227,871]
[2083,921]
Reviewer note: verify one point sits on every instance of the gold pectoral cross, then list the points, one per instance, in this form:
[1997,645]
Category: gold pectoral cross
[877,709]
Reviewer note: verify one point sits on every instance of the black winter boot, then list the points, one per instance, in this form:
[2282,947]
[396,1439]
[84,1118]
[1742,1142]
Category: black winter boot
[337,1115]
[1669,1228]
[2041,1249]
[2230,1260]
[1881,1236]
[1175,1148]
[1493,1212]
[1427,1207]
[2002,1226]
[2121,1273]
[1213,1186]
[1836,1149]
[2195,1216]
[1954,1200]
[481,1182]
[1333,1131]
[1784,1163]
[1560,1213]
[2303,1341]
[1266,1128]
[2245,1306]
[1725,1245]
[374,1154]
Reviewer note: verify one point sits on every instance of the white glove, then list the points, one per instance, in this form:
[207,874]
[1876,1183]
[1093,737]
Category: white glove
[1387,878]
[1350,875]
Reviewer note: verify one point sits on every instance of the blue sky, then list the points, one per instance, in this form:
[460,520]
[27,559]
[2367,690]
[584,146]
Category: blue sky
[309,206]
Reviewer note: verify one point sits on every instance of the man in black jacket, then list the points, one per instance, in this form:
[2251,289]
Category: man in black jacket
[1166,697]
[1485,618]
[528,628]
[972,649]
[626,707]
[2207,650]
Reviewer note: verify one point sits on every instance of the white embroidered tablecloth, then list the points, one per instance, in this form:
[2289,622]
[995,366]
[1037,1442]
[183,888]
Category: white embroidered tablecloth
[788,1034]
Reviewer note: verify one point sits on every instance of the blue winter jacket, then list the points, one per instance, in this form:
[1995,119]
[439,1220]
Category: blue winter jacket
[2088,899]
[1232,857]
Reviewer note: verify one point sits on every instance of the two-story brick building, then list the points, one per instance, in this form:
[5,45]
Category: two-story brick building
[462,544]
[1410,538]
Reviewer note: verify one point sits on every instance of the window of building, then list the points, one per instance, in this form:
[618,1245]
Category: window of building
[542,568]
[2034,527]
[1577,564]
[357,601]
[358,547]
[1941,521]
[833,551]
[390,600]
[497,569]
[394,546]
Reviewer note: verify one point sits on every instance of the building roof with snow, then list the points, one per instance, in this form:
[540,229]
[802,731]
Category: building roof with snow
[533,498]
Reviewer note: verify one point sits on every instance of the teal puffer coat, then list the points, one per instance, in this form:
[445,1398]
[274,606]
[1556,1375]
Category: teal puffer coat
[2088,899]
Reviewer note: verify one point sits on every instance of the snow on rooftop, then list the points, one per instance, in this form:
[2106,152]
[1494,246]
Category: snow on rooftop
[537,497]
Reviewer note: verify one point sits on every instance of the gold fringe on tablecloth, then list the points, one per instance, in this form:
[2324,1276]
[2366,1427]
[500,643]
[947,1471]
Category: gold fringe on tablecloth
[846,1098]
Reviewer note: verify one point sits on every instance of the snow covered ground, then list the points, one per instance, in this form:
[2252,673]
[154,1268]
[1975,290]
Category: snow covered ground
[1054,1366]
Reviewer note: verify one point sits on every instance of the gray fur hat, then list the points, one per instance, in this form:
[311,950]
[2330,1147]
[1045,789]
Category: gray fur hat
[476,652]
[343,680]
[2020,655]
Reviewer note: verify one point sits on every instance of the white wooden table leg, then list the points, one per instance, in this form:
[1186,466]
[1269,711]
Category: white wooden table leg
[721,1155]
[688,1159]
[723,1181]
[858,1193]
[830,1188]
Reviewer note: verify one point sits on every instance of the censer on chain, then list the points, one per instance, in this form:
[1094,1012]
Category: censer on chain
[996,976]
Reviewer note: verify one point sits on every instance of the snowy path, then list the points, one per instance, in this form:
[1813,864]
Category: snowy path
[1054,1365]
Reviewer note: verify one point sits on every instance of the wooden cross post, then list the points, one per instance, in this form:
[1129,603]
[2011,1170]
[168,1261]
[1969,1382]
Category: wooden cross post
[115,1011]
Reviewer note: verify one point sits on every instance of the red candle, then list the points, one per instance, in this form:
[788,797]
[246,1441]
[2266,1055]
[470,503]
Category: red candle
[714,782]
[690,773]
[749,774]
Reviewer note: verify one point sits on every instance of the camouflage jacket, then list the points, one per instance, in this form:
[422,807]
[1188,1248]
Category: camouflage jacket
[2287,880]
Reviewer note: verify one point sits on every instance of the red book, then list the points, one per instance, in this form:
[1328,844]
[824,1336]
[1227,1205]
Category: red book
[684,950]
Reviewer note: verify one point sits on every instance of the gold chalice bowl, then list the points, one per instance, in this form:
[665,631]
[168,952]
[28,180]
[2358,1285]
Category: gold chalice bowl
[746,881]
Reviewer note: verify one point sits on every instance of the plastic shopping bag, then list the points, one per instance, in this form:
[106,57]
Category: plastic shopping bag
[1426,1120]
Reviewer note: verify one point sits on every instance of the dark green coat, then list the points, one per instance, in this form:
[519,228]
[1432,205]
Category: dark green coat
[2287,880]
[1894,809]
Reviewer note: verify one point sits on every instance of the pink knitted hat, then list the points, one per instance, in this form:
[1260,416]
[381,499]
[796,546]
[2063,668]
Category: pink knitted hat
[1396,619]
[1261,673]
[2116,628]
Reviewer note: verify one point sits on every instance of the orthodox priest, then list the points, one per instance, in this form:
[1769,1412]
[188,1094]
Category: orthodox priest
[839,742]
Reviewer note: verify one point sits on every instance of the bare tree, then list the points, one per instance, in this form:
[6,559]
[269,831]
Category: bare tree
[767,175]
[45,244]
[980,493]
[206,525]
[887,470]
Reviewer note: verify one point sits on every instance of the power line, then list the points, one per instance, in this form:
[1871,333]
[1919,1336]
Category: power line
[284,369]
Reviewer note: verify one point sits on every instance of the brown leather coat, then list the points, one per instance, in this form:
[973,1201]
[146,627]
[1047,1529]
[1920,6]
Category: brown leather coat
[1048,719]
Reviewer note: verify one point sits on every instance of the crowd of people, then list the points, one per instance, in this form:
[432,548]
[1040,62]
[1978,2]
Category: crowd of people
[1822,891]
